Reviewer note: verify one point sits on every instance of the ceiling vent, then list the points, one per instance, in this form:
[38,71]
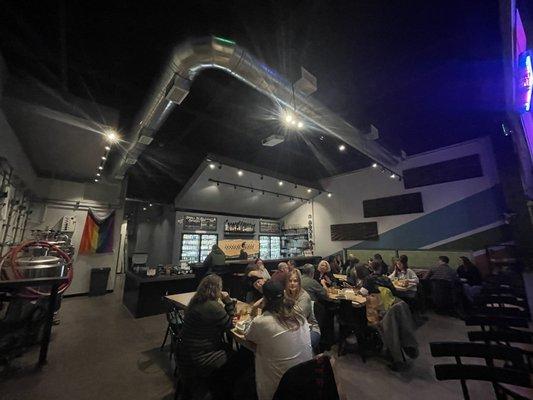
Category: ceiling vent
[273,140]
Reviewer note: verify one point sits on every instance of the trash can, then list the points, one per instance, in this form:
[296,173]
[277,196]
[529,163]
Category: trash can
[99,277]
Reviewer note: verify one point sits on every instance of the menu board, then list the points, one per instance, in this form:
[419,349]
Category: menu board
[269,227]
[198,223]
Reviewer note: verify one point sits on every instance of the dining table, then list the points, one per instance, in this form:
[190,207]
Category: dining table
[336,294]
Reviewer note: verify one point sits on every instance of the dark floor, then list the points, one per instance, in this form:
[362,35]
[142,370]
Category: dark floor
[100,352]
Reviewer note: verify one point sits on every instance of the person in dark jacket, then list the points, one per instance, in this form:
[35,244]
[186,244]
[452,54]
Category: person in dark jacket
[470,277]
[243,255]
[208,315]
[323,274]
[215,262]
[379,266]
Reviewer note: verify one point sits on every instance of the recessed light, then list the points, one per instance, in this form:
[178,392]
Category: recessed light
[300,124]
[240,173]
[96,180]
[280,183]
[111,136]
[100,168]
[150,204]
[98,174]
[308,190]
[144,208]
[342,147]
[107,148]
[212,166]
[104,158]
[393,176]
[375,165]
[329,194]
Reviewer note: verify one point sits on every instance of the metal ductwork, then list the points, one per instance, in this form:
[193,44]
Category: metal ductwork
[192,57]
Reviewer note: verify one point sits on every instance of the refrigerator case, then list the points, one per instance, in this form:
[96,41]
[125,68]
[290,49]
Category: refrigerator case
[264,247]
[275,247]
[190,247]
[206,243]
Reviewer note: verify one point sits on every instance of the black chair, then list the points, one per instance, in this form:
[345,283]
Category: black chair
[501,311]
[508,337]
[175,323]
[493,321]
[497,290]
[351,321]
[311,380]
[517,374]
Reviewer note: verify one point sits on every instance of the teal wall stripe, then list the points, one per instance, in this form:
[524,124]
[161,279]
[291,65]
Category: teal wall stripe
[470,213]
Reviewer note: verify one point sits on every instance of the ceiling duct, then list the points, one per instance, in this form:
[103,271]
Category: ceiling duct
[192,57]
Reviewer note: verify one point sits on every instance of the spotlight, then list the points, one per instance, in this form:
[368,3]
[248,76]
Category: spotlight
[280,183]
[96,180]
[288,118]
[321,138]
[375,165]
[212,166]
[111,136]
[104,158]
[342,147]
[98,174]
[329,194]
[150,204]
[100,168]
[144,208]
[107,148]
[240,173]
[308,190]
[392,176]
[300,124]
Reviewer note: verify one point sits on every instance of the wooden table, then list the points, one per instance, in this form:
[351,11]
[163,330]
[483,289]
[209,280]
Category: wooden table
[341,277]
[400,288]
[346,294]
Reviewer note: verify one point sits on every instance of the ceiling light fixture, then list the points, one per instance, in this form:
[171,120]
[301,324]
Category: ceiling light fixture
[100,168]
[111,136]
[104,158]
[240,173]
[96,180]
[300,124]
[150,204]
[342,147]
[393,176]
[98,174]
[107,148]
[144,208]
[375,165]
[280,183]
[308,190]
[212,166]
[329,194]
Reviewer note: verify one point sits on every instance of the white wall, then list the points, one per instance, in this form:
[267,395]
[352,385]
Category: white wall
[59,200]
[349,191]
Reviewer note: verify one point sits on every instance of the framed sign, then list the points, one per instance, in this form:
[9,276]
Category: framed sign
[269,227]
[357,231]
[199,223]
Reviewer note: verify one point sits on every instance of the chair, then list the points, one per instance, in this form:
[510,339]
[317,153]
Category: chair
[501,311]
[311,380]
[444,295]
[509,337]
[517,374]
[497,290]
[175,323]
[494,321]
[351,321]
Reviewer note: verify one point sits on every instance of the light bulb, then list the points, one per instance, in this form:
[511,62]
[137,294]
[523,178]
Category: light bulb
[342,147]
[212,166]
[240,173]
[280,183]
[329,194]
[375,165]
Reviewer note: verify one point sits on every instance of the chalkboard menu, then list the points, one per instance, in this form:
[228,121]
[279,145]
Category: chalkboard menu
[269,227]
[198,223]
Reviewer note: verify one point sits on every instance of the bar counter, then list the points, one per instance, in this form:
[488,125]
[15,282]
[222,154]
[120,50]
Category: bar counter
[143,294]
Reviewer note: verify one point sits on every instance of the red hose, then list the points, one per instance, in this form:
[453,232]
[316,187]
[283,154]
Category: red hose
[31,292]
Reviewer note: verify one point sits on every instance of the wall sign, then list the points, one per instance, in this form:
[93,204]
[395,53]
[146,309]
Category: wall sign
[394,205]
[357,231]
[269,227]
[524,82]
[232,247]
[199,223]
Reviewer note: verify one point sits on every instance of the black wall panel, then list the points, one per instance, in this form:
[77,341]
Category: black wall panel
[359,231]
[445,171]
[394,205]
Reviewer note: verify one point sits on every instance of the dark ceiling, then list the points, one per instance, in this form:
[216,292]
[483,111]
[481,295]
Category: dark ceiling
[425,73]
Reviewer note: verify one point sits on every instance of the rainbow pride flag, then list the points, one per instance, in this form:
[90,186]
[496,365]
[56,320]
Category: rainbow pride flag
[97,234]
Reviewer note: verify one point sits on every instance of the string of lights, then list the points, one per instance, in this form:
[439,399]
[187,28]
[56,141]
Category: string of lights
[111,138]
[262,191]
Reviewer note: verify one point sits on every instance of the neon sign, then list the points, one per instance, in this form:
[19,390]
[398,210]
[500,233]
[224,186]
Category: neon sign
[524,82]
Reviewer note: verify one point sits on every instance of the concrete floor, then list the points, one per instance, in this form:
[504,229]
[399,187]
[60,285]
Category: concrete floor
[100,352]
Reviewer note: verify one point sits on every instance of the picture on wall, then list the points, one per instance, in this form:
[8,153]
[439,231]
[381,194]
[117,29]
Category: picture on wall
[356,231]
[199,223]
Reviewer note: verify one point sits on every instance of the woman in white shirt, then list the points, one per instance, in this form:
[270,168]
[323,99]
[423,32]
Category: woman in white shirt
[281,337]
[403,272]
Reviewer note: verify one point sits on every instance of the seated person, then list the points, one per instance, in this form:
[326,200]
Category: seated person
[215,262]
[208,316]
[336,264]
[378,265]
[261,267]
[316,291]
[281,337]
[471,278]
[253,283]
[303,304]
[403,272]
[442,271]
[280,275]
[323,275]
[291,264]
